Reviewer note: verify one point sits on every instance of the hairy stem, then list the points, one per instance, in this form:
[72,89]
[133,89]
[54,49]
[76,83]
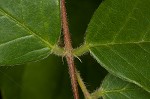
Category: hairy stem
[58,51]
[81,50]
[83,87]
[68,49]
[97,94]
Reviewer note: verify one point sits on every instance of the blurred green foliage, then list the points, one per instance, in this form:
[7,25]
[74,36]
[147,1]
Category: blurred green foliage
[49,78]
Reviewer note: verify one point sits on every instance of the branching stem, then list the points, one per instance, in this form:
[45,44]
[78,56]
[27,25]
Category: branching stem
[68,50]
[97,94]
[81,50]
[83,87]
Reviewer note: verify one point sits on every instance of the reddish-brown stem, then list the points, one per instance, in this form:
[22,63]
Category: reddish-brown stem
[68,49]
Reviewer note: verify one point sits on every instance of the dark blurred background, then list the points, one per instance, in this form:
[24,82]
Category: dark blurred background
[49,78]
[0,95]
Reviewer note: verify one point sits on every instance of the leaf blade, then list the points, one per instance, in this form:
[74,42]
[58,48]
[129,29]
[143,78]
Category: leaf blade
[121,40]
[118,89]
[28,18]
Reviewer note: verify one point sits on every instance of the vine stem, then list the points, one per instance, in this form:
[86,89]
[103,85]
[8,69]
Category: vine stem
[68,49]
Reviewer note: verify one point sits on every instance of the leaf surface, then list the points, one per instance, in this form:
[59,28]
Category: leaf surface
[115,88]
[29,29]
[118,37]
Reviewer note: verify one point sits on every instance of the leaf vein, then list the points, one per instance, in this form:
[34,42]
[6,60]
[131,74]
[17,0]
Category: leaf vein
[41,49]
[128,63]
[107,44]
[125,95]
[126,21]
[17,39]
[25,27]
[143,48]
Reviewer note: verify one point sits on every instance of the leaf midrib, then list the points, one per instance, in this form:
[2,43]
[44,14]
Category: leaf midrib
[111,44]
[25,27]
[116,91]
[86,47]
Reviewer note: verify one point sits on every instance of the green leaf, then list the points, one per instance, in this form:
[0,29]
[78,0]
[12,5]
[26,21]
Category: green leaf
[40,80]
[115,88]
[118,37]
[29,30]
